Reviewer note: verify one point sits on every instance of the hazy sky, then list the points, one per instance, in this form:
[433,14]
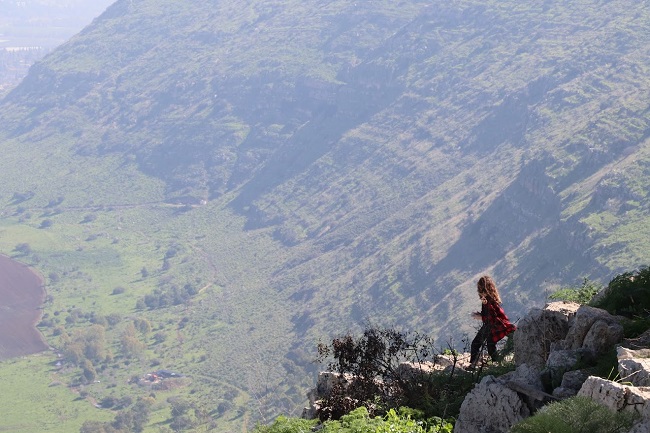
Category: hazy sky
[45,23]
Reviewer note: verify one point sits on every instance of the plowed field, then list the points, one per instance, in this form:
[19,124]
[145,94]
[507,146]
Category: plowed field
[21,297]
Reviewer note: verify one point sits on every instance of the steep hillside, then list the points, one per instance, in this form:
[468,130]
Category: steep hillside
[316,165]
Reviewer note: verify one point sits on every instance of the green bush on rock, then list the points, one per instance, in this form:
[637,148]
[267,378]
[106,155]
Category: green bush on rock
[628,294]
[576,415]
[582,295]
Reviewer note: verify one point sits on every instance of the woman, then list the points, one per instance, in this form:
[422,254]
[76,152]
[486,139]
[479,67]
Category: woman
[495,322]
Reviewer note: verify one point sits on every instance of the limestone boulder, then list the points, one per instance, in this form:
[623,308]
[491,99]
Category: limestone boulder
[617,396]
[562,359]
[602,335]
[524,375]
[491,407]
[560,362]
[539,329]
[608,393]
[634,366]
[607,331]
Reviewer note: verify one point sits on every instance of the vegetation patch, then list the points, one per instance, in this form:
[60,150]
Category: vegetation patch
[576,415]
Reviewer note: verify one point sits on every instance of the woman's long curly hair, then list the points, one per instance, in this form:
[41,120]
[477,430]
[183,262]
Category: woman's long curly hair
[487,290]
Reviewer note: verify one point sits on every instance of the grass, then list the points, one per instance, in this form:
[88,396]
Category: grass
[81,272]
[35,398]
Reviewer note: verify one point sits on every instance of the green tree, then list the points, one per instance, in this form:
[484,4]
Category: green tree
[94,339]
[131,346]
[89,372]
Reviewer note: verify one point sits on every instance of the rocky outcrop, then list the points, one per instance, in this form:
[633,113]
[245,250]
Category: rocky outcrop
[562,335]
[631,393]
[594,330]
[617,396]
[328,381]
[539,329]
[497,403]
[490,407]
[549,344]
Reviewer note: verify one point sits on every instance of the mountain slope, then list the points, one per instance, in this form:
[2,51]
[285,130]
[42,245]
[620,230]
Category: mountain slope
[357,161]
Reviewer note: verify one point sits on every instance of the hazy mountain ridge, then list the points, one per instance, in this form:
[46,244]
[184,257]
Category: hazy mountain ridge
[395,150]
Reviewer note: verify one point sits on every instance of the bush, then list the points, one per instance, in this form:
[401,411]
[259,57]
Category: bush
[287,425]
[627,294]
[576,415]
[23,248]
[360,421]
[582,295]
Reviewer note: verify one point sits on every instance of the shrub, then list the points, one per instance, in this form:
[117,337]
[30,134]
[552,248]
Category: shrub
[360,421]
[627,294]
[286,425]
[582,295]
[23,248]
[576,415]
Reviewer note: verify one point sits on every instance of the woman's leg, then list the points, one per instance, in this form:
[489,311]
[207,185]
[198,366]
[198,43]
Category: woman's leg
[477,343]
[492,349]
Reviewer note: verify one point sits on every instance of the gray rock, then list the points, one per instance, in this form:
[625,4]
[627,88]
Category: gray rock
[640,342]
[572,381]
[539,329]
[602,335]
[641,427]
[617,396]
[410,370]
[634,366]
[558,363]
[635,371]
[561,393]
[606,392]
[525,375]
[562,359]
[627,353]
[491,407]
[326,381]
[583,321]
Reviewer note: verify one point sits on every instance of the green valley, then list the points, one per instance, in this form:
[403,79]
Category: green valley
[211,188]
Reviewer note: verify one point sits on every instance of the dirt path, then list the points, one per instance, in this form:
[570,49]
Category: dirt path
[21,298]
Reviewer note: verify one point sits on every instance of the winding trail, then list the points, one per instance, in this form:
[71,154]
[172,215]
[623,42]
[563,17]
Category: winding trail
[21,297]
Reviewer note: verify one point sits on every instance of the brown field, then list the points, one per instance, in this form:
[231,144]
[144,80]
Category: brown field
[21,298]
